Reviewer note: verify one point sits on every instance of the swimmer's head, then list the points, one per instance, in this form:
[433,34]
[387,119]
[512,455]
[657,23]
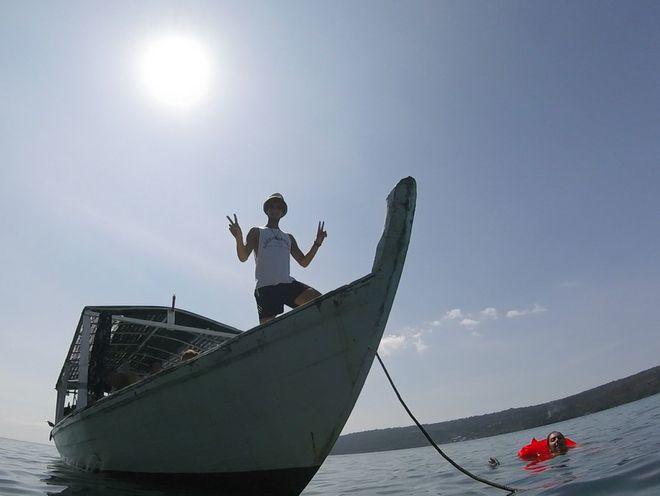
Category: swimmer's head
[557,442]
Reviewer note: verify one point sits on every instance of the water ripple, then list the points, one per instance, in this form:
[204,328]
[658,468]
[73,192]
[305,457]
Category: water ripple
[617,455]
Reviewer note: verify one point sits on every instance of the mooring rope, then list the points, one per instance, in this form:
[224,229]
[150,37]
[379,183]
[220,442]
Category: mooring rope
[437,448]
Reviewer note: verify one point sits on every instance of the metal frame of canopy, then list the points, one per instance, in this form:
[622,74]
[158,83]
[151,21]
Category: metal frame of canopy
[136,337]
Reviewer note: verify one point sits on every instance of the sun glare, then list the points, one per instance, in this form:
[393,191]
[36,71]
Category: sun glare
[175,71]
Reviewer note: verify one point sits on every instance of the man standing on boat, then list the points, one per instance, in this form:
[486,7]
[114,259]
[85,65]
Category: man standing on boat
[272,249]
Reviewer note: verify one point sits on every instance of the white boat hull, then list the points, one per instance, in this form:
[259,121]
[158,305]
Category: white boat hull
[266,406]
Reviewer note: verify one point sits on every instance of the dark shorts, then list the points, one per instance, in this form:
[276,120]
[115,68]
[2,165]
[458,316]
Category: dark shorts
[271,299]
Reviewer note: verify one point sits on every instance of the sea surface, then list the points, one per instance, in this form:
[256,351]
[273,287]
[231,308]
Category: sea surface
[618,453]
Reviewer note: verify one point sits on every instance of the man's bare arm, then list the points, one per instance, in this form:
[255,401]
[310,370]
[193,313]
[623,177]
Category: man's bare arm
[243,250]
[297,254]
[251,242]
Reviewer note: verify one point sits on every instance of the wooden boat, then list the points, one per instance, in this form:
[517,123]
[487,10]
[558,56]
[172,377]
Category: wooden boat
[256,412]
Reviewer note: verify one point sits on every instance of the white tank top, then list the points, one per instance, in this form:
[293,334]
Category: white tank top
[273,258]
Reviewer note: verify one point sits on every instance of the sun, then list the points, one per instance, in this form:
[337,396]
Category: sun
[175,70]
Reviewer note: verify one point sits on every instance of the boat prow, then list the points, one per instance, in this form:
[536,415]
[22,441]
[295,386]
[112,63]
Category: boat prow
[258,410]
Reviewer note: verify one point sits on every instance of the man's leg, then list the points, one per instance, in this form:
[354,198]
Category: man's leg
[263,320]
[269,303]
[307,295]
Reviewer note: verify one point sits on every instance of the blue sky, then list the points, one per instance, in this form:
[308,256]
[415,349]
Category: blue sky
[531,127]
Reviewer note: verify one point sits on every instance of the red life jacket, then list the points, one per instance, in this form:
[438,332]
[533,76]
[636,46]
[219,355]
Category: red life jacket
[540,449]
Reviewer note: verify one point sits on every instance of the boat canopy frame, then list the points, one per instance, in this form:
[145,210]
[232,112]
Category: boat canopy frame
[130,339]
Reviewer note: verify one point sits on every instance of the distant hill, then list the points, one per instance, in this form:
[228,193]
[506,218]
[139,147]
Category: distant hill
[613,394]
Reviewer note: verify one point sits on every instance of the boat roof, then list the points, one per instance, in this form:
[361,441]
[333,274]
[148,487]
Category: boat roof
[130,343]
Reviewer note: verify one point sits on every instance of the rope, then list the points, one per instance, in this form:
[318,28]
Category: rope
[437,448]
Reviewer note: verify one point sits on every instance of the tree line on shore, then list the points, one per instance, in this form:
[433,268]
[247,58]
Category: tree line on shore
[609,395]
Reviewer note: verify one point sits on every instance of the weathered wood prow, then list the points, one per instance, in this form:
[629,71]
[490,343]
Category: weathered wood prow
[393,244]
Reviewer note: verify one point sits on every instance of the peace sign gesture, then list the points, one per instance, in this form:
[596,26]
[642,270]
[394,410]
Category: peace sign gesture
[234,228]
[320,234]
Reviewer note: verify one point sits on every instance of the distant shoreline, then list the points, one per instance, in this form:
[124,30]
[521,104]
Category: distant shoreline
[615,393]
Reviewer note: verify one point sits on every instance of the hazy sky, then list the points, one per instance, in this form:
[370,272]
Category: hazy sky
[532,129]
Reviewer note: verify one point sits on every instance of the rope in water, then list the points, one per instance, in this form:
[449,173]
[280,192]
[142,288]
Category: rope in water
[437,448]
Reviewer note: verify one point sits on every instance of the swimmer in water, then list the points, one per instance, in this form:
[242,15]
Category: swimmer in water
[557,443]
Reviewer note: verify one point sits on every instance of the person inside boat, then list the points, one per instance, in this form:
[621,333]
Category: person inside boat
[188,354]
[272,251]
[120,378]
[123,376]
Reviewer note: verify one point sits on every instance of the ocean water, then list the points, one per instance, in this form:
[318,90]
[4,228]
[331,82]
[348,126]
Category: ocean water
[618,454]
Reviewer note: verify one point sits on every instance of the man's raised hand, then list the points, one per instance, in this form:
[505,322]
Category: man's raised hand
[234,228]
[320,234]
